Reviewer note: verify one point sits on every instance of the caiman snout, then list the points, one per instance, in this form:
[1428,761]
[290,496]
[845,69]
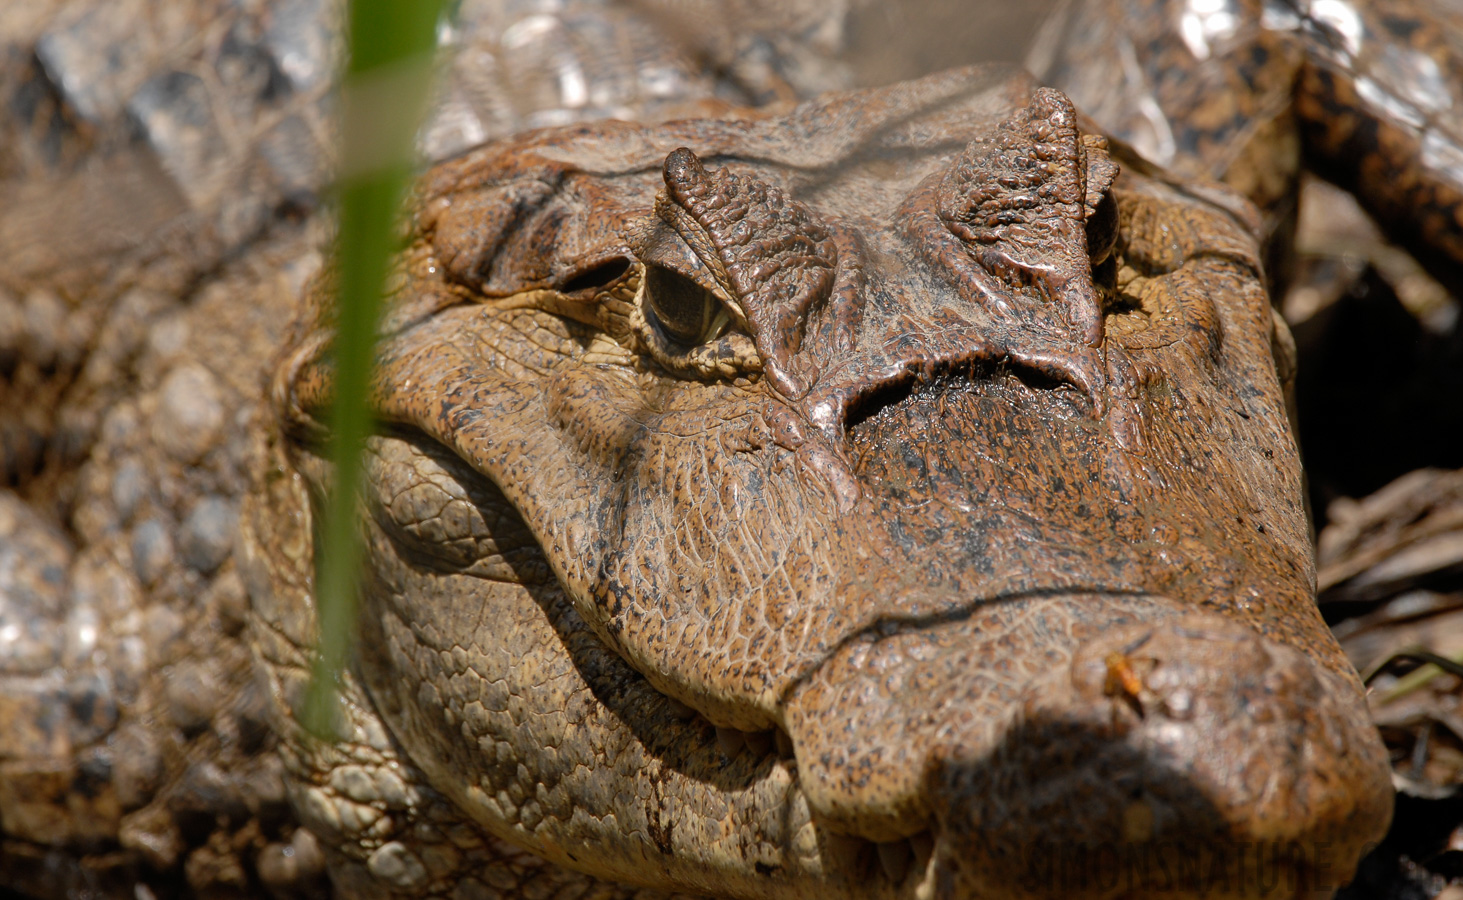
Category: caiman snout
[1159,753]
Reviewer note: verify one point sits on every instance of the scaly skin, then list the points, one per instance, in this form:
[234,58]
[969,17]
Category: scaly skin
[739,605]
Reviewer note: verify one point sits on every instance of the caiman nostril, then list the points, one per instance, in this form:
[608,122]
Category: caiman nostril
[1195,736]
[730,740]
[760,743]
[906,859]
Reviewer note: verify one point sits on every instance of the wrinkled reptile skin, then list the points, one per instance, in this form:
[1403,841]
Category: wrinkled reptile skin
[691,607]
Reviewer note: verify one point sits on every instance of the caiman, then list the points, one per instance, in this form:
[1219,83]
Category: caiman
[749,487]
[890,496]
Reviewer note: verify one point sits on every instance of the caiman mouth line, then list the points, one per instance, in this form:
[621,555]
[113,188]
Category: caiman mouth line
[904,865]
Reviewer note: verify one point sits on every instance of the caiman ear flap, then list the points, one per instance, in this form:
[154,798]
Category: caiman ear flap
[1283,349]
[1101,209]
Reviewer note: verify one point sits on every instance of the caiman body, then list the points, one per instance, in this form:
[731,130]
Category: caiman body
[878,500]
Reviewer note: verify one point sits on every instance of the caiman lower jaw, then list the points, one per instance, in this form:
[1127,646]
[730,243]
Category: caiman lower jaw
[1160,742]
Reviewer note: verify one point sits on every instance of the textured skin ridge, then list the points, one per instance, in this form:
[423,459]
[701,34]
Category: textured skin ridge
[1024,192]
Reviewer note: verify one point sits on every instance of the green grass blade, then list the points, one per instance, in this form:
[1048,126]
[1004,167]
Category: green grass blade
[388,74]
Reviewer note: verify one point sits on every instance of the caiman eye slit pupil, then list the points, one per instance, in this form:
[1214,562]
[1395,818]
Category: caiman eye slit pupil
[684,309]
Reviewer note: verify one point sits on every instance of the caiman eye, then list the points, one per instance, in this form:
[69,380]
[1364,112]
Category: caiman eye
[688,313]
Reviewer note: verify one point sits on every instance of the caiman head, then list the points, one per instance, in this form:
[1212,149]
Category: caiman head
[891,499]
